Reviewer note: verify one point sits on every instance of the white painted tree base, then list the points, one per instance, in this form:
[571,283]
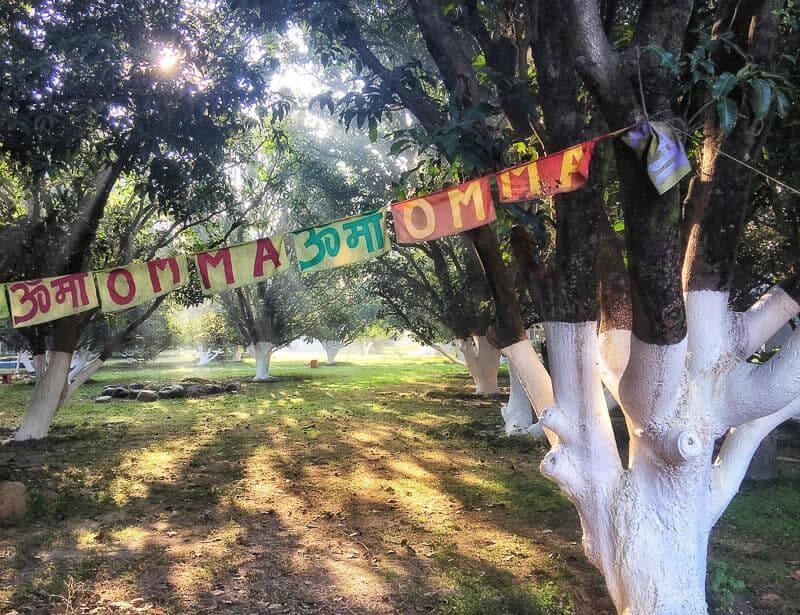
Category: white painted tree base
[332,349]
[518,412]
[646,526]
[483,361]
[262,351]
[49,393]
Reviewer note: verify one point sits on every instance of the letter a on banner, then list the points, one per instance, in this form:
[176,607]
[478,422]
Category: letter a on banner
[240,265]
[561,172]
[126,287]
[446,212]
[36,301]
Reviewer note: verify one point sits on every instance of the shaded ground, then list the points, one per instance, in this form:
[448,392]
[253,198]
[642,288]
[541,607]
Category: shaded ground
[380,488]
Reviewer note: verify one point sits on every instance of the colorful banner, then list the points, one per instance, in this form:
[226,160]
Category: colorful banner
[445,212]
[36,301]
[126,287]
[562,172]
[4,313]
[240,265]
[344,242]
[667,162]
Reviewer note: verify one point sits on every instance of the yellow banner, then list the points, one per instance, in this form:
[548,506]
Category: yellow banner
[344,242]
[36,301]
[240,265]
[126,287]
[4,313]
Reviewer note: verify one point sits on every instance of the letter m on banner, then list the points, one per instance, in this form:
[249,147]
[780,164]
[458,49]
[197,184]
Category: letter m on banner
[241,265]
[446,212]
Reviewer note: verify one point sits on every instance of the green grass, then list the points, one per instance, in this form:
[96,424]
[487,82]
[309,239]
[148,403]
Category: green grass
[381,487]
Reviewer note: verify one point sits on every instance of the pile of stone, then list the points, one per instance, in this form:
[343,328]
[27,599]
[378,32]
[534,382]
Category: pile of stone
[147,391]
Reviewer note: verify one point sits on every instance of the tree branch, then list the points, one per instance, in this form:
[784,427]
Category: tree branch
[736,453]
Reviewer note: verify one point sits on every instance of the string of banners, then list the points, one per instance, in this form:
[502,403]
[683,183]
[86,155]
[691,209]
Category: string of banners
[335,244]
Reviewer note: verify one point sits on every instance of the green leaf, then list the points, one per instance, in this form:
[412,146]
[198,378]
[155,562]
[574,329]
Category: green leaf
[763,97]
[781,103]
[723,85]
[726,110]
[665,58]
[619,226]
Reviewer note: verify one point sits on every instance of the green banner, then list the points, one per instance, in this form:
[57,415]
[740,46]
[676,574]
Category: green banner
[344,242]
[126,287]
[240,265]
[4,313]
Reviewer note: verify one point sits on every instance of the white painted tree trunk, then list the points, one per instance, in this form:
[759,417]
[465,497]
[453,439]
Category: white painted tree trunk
[24,359]
[262,351]
[518,412]
[49,393]
[76,380]
[206,355]
[331,348]
[646,526]
[366,347]
[482,361]
[237,354]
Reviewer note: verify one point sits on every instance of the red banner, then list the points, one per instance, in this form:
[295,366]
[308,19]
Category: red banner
[445,212]
[562,172]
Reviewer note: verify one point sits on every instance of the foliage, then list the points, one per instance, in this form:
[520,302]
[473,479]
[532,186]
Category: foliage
[434,290]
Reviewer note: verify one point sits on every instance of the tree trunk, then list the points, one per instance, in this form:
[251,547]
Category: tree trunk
[518,412]
[764,465]
[48,395]
[482,361]
[237,354]
[76,380]
[24,359]
[366,347]
[655,562]
[332,348]
[206,355]
[262,351]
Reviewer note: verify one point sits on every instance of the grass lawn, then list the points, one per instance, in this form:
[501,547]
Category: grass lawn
[379,487]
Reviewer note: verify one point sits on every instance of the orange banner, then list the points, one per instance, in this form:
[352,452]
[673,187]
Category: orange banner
[562,172]
[444,213]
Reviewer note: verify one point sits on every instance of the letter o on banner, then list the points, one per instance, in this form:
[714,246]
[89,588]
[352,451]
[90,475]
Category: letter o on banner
[415,231]
[116,296]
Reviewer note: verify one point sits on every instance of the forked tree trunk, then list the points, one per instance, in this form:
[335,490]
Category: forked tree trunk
[262,351]
[331,348]
[483,361]
[236,356]
[206,355]
[49,393]
[647,526]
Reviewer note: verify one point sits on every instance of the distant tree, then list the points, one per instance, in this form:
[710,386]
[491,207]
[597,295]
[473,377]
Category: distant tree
[340,309]
[268,316]
[144,95]
[436,291]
